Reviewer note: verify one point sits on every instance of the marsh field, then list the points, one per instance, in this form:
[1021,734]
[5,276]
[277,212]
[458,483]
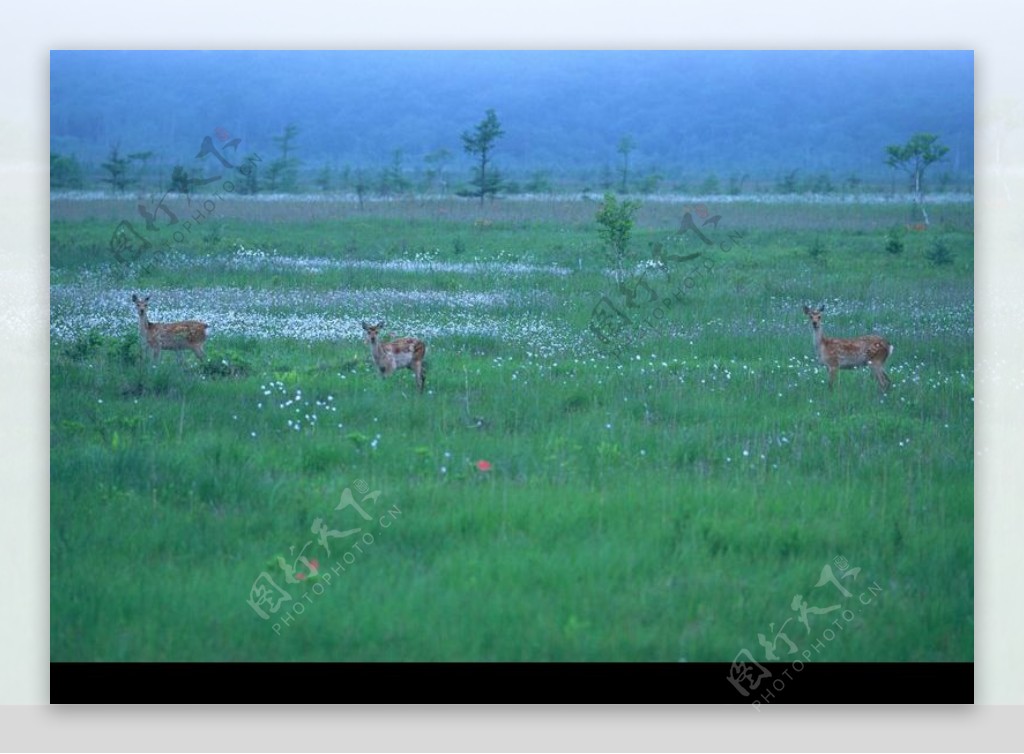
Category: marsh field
[656,473]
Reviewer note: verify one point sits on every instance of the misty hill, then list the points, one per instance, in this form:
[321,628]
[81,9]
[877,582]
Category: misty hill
[689,114]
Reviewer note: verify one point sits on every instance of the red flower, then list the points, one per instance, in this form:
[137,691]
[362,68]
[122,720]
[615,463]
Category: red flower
[314,564]
[300,576]
[483,465]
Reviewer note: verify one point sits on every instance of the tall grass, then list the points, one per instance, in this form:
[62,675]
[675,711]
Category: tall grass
[664,502]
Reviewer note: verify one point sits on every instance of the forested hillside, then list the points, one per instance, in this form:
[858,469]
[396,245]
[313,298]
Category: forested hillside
[691,118]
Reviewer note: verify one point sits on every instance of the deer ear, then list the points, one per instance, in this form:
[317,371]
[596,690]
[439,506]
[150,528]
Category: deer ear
[807,309]
[365,326]
[821,309]
[380,326]
[135,299]
[146,299]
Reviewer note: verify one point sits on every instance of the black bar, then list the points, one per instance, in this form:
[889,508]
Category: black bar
[491,683]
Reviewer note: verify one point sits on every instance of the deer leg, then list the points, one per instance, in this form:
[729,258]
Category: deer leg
[420,379]
[883,379]
[832,377]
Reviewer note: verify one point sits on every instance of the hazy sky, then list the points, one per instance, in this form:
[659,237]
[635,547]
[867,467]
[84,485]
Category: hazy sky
[694,112]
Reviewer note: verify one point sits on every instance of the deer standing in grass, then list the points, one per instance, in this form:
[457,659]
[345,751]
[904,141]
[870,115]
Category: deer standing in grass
[171,336]
[839,353]
[400,353]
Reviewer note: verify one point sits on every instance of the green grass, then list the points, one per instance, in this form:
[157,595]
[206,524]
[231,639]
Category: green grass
[660,504]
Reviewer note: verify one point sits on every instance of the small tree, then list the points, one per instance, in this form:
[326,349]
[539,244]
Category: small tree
[361,184]
[346,177]
[324,179]
[939,253]
[615,224]
[650,182]
[626,146]
[787,183]
[117,167]
[894,241]
[736,182]
[144,158]
[817,249]
[274,171]
[282,173]
[392,178]
[822,184]
[437,163]
[65,172]
[914,157]
[710,185]
[480,142]
[539,183]
[181,182]
[250,182]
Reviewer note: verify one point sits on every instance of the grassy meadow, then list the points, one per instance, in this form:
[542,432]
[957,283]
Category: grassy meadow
[660,497]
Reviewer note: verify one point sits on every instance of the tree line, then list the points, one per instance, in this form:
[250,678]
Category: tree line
[287,173]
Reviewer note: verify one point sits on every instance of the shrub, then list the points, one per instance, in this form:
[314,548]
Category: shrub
[126,349]
[939,253]
[894,241]
[228,366]
[710,186]
[212,237]
[83,346]
[615,224]
[817,249]
[65,172]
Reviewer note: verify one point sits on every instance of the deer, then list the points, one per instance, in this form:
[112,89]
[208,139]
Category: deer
[839,353]
[400,353]
[171,336]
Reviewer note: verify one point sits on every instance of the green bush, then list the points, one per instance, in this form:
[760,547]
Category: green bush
[817,249]
[939,254]
[126,349]
[83,346]
[894,241]
[615,225]
[229,365]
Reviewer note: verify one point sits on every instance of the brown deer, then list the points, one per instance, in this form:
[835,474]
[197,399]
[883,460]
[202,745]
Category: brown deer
[172,336]
[400,353]
[837,353]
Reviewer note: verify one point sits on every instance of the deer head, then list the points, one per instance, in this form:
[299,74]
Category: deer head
[372,331]
[140,303]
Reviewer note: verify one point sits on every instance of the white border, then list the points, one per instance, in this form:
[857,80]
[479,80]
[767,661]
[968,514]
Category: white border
[31,30]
